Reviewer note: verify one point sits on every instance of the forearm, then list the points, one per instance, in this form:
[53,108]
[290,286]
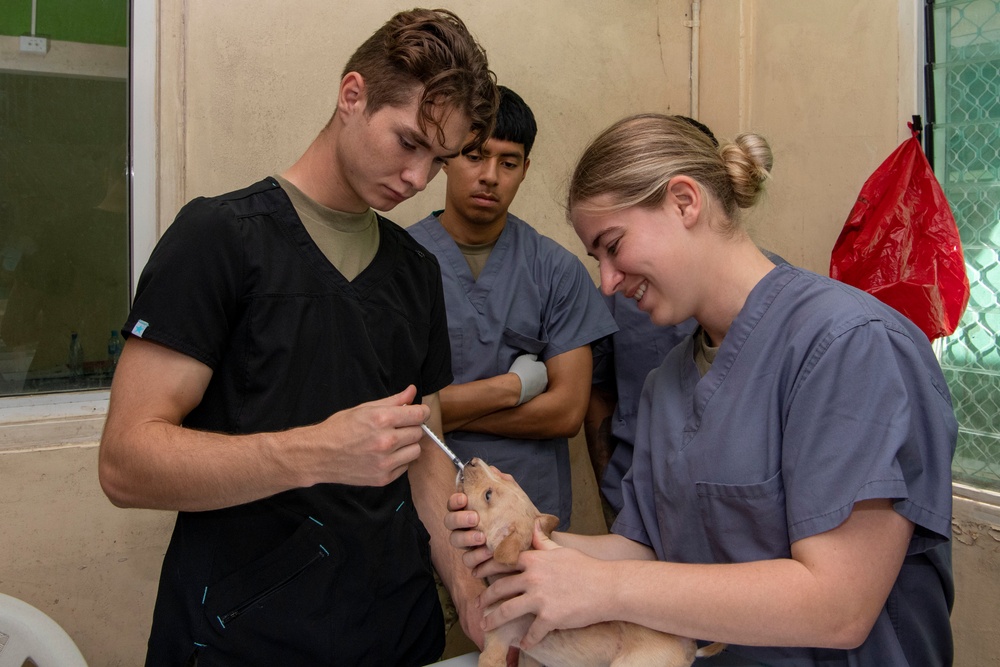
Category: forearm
[169,467]
[148,459]
[605,547]
[597,429]
[828,594]
[432,481]
[764,603]
[555,413]
[545,416]
[463,403]
[456,577]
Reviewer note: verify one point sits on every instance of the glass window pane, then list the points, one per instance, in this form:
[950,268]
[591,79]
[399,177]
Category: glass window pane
[966,134]
[64,227]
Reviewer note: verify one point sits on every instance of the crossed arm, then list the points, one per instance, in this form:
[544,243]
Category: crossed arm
[490,405]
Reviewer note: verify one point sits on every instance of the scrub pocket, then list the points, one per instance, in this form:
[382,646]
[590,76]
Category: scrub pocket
[745,522]
[268,586]
[520,341]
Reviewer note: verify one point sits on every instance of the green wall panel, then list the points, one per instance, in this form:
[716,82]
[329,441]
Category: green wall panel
[87,21]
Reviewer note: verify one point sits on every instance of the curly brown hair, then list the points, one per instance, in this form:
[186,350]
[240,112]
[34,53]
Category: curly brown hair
[431,48]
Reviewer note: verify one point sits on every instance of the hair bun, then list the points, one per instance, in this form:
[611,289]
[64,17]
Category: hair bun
[748,160]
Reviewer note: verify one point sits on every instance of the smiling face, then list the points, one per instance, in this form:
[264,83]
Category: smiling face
[481,186]
[385,157]
[644,253]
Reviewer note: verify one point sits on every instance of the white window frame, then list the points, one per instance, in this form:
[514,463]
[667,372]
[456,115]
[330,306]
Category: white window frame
[52,421]
[143,131]
[912,56]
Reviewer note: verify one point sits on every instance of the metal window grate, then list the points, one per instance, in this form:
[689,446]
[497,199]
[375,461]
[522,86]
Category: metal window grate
[964,83]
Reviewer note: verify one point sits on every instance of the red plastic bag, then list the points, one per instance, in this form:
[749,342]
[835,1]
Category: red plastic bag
[901,245]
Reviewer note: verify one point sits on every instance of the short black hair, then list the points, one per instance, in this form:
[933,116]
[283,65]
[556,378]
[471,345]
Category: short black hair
[515,122]
[702,127]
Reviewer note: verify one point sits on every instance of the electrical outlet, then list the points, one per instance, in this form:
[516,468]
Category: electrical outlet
[34,44]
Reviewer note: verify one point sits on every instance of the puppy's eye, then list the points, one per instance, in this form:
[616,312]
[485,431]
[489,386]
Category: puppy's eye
[489,494]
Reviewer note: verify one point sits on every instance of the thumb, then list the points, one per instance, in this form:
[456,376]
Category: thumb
[404,397]
[536,633]
[540,541]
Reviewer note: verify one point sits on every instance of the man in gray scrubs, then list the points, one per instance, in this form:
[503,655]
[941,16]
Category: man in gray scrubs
[522,313]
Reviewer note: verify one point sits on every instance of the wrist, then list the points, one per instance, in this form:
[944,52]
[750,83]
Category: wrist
[510,385]
[286,451]
[465,590]
[614,583]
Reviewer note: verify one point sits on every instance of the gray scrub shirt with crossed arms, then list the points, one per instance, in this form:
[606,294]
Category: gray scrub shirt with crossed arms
[532,297]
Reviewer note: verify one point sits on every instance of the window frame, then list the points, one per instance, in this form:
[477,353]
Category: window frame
[987,499]
[51,421]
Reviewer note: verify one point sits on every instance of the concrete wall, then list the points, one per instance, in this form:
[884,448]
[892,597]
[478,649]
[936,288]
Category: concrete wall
[820,80]
[242,93]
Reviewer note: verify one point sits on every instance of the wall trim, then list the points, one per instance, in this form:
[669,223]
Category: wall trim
[66,59]
[52,421]
[979,495]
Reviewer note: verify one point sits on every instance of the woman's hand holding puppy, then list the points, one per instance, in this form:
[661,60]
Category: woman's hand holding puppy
[562,587]
[546,582]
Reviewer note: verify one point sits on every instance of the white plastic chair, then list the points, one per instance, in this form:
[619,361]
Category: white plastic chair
[27,632]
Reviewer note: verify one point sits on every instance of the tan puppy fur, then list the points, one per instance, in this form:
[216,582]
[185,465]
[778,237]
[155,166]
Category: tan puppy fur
[507,518]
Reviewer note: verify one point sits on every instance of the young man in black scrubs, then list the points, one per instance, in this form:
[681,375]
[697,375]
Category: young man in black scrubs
[284,346]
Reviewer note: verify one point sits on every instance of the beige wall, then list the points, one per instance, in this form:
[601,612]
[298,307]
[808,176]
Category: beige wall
[242,93]
[68,551]
[247,111]
[819,80]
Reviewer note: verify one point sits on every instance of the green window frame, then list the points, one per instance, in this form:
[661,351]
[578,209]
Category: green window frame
[962,140]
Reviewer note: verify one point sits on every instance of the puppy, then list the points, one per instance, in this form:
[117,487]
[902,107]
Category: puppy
[507,518]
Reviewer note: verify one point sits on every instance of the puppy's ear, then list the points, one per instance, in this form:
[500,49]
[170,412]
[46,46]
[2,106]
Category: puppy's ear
[510,547]
[548,523]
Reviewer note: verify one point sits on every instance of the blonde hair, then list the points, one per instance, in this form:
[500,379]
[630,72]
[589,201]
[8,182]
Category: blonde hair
[632,161]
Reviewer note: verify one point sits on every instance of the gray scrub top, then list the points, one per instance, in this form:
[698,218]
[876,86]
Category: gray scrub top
[533,296]
[820,396]
[624,360]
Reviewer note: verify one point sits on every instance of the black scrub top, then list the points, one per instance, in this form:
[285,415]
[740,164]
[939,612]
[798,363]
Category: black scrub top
[328,575]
